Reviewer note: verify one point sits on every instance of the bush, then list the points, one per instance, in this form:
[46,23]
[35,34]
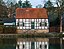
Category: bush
[10,30]
[1,29]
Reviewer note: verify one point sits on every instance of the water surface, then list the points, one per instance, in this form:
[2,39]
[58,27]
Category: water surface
[32,43]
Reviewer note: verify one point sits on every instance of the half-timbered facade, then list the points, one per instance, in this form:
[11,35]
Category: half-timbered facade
[32,19]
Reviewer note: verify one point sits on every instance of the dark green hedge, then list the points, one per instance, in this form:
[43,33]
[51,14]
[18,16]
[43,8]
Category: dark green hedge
[9,30]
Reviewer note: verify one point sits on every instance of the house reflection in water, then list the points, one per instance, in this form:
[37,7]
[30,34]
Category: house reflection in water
[38,43]
[32,43]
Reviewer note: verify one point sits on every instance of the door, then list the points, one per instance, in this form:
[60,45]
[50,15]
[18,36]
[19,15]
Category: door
[32,25]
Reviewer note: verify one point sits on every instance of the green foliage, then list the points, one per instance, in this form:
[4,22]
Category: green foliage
[9,30]
[48,4]
[1,29]
[60,3]
[25,4]
[1,2]
[20,3]
[3,9]
[53,14]
[39,6]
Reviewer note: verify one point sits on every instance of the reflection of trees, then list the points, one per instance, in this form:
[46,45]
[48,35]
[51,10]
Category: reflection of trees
[7,43]
[54,43]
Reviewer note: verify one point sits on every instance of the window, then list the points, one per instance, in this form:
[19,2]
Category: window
[42,24]
[22,23]
[27,24]
[45,24]
[32,23]
[18,24]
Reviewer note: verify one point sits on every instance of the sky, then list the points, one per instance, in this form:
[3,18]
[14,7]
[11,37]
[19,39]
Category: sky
[36,2]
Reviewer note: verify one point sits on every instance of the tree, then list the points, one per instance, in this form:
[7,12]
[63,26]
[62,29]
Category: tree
[53,15]
[48,4]
[20,3]
[26,4]
[1,1]
[3,12]
[50,8]
[39,6]
[60,10]
[8,2]
[60,3]
[16,5]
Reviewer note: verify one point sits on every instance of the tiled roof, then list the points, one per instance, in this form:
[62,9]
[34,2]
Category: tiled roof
[31,13]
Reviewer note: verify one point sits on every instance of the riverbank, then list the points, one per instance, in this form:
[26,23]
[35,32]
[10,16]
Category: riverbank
[26,35]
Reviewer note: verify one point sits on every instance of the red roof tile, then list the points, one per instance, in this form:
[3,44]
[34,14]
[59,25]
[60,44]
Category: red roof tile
[31,13]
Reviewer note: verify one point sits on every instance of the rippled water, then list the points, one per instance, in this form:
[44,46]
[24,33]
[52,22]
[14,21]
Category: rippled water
[32,43]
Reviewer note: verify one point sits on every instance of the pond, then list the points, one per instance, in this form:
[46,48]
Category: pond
[32,43]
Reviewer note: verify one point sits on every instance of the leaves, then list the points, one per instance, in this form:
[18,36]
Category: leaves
[48,4]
